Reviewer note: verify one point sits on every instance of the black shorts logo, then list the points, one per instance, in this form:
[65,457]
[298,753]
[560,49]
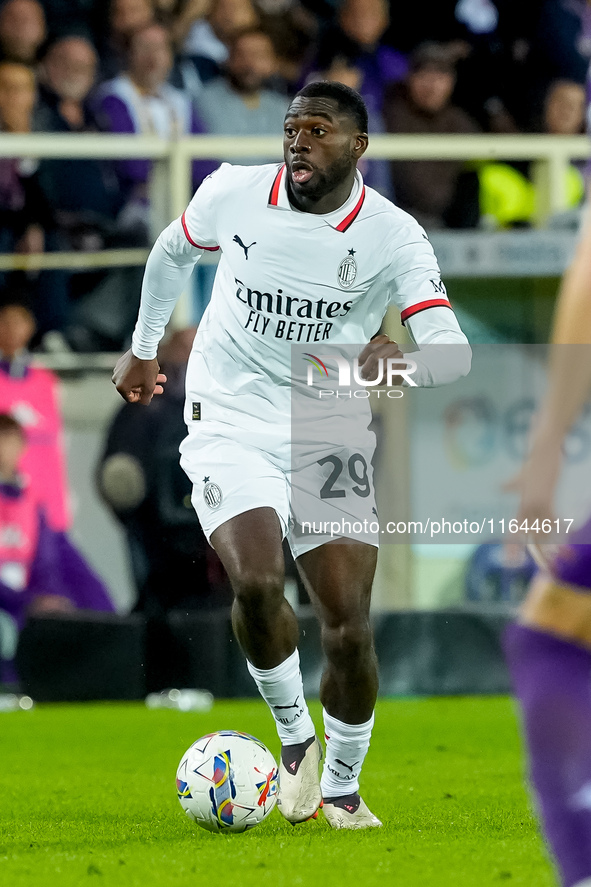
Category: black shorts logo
[196,412]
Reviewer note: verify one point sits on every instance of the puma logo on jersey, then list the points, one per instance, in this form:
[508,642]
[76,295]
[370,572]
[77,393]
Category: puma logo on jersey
[245,248]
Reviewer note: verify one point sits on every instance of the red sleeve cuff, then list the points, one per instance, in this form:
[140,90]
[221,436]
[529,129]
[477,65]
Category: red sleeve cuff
[422,306]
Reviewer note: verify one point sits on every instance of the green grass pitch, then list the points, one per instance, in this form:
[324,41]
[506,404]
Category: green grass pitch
[87,797]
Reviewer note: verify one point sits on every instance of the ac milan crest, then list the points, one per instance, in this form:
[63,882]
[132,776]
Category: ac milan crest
[347,270]
[212,494]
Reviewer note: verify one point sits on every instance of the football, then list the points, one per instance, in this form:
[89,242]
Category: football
[227,782]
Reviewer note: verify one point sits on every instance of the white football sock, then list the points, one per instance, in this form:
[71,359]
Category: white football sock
[283,691]
[346,748]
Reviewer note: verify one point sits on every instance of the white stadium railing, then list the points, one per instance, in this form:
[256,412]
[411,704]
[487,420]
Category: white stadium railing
[170,183]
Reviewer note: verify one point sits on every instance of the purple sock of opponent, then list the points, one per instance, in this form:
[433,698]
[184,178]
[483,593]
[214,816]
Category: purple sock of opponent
[552,680]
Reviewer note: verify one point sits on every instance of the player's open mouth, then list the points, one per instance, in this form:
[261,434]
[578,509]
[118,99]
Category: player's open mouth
[301,173]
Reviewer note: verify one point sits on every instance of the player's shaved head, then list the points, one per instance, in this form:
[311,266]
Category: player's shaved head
[347,100]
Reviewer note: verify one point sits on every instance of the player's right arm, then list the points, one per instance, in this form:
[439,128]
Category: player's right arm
[570,368]
[569,385]
[168,269]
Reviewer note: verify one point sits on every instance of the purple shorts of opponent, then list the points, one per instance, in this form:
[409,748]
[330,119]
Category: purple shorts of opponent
[572,563]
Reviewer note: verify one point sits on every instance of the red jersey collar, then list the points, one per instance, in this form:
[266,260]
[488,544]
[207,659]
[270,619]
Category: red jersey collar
[341,219]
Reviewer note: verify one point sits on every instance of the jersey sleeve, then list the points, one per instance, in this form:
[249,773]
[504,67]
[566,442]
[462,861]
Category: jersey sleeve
[199,219]
[171,262]
[442,352]
[415,279]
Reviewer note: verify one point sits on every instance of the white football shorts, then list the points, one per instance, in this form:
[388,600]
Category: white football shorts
[327,495]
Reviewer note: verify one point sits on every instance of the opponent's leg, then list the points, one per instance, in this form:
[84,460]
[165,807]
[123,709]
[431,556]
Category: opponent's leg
[250,548]
[549,654]
[339,576]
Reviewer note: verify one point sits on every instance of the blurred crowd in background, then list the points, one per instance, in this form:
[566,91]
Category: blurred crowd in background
[42,572]
[172,67]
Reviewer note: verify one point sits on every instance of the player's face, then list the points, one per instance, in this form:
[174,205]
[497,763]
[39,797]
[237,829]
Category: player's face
[16,328]
[12,446]
[17,94]
[150,56]
[321,147]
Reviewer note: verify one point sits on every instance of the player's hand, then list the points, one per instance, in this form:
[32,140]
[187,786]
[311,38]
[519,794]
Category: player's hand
[536,482]
[137,381]
[380,347]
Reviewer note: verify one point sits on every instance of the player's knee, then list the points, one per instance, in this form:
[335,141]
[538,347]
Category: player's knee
[257,590]
[347,641]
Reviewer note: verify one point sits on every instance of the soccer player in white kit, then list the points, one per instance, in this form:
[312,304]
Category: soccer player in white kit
[309,255]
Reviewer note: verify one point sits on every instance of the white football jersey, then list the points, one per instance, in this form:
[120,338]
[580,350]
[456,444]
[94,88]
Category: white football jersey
[287,278]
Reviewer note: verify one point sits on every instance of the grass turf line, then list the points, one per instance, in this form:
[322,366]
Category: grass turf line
[87,797]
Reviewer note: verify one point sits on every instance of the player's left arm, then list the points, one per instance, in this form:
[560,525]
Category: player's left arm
[415,285]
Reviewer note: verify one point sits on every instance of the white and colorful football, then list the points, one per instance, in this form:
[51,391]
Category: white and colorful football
[227,782]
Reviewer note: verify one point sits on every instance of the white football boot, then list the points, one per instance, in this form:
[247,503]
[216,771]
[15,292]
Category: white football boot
[299,795]
[350,811]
